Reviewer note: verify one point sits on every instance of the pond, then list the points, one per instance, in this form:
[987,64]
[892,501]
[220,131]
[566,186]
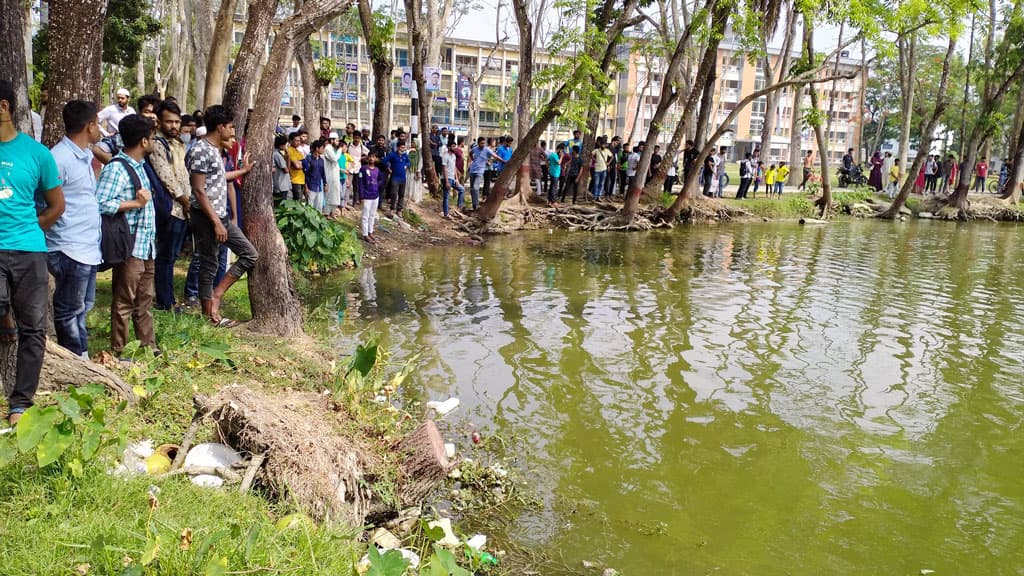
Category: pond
[740,399]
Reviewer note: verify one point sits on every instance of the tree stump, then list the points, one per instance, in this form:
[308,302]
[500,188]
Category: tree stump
[61,370]
[424,463]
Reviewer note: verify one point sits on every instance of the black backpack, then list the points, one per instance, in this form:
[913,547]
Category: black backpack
[117,240]
[161,199]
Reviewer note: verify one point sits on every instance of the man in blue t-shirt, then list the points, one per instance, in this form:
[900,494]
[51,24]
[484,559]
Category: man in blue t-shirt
[27,170]
[504,153]
[397,164]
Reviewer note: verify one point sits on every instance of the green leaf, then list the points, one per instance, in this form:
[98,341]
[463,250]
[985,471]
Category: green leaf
[70,407]
[208,542]
[76,467]
[448,562]
[91,437]
[251,540]
[151,551]
[217,566]
[34,424]
[391,563]
[365,358]
[133,570]
[55,443]
[8,452]
[216,350]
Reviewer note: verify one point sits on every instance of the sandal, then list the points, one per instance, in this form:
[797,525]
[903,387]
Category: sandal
[224,323]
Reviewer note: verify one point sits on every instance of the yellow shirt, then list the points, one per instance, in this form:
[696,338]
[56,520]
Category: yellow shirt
[769,176]
[894,174]
[297,176]
[782,174]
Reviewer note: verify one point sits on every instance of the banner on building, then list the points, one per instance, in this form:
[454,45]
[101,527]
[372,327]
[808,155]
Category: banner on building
[464,93]
[433,76]
[337,95]
[407,78]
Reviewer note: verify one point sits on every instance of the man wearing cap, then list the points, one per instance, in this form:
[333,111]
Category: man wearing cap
[111,116]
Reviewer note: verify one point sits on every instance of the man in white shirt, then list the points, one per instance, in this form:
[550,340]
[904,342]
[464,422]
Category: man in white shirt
[111,116]
[631,163]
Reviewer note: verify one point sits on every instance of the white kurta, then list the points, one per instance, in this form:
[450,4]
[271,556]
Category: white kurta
[333,174]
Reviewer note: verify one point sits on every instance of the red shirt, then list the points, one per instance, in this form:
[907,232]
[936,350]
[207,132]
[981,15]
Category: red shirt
[460,165]
[982,170]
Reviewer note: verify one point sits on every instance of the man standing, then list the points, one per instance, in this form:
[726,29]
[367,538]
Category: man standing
[451,179]
[435,149]
[655,164]
[746,175]
[538,166]
[980,175]
[73,242]
[325,128]
[808,166]
[477,166]
[631,165]
[613,166]
[295,171]
[211,226]
[602,158]
[168,163]
[690,155]
[296,124]
[397,163]
[26,170]
[111,116]
[119,190]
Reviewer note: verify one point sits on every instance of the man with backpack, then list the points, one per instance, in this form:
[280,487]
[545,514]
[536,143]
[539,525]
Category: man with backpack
[746,175]
[124,188]
[169,177]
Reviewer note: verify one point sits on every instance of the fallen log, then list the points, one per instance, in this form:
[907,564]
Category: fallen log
[307,460]
[61,370]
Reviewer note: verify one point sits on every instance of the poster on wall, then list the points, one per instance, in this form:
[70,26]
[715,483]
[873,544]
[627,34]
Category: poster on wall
[464,93]
[433,76]
[407,78]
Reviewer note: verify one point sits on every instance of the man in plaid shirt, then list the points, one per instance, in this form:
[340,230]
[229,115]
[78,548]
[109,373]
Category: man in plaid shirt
[133,279]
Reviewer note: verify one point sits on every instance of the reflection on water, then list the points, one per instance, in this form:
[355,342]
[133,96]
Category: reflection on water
[753,399]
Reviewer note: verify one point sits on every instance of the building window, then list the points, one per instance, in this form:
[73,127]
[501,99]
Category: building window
[446,59]
[756,126]
[440,114]
[759,107]
[468,63]
[401,57]
[462,116]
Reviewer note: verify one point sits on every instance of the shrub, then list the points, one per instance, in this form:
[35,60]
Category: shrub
[315,243]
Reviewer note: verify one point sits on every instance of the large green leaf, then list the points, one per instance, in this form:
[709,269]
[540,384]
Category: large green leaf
[55,443]
[91,437]
[443,563]
[365,358]
[70,407]
[217,567]
[391,563]
[34,424]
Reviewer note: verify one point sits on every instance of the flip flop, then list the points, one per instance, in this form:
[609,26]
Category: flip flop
[224,323]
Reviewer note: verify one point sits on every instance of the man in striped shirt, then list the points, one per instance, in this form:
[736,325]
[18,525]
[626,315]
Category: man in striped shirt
[116,192]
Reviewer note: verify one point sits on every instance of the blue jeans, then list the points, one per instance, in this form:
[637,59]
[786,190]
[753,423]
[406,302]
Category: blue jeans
[73,297]
[170,235]
[460,189]
[476,181]
[192,279]
[599,178]
[444,196]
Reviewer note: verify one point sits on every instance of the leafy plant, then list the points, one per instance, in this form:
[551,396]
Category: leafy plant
[73,430]
[390,563]
[315,243]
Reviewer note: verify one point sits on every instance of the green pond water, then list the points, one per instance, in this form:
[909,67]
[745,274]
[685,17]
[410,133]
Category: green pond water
[741,399]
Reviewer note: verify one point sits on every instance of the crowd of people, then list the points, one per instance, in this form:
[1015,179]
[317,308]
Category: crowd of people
[936,176]
[122,190]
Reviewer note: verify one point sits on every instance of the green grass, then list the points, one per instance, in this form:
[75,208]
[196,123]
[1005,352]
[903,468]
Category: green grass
[791,206]
[53,524]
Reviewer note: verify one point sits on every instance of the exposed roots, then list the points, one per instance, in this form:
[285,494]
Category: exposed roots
[979,207]
[606,218]
[702,210]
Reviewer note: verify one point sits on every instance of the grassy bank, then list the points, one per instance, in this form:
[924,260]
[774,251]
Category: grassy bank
[76,517]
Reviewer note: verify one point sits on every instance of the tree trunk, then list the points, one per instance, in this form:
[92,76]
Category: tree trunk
[927,133]
[796,143]
[74,59]
[670,94]
[523,84]
[220,51]
[825,202]
[275,305]
[62,369]
[418,44]
[832,106]
[13,65]
[201,22]
[311,109]
[772,99]
[907,52]
[238,89]
[383,65]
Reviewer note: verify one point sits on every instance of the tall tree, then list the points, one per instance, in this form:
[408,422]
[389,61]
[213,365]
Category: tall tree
[574,73]
[1006,71]
[250,53]
[220,50]
[906,45]
[13,66]
[378,29]
[200,22]
[74,59]
[312,103]
[941,99]
[814,118]
[275,305]
[476,75]
[774,74]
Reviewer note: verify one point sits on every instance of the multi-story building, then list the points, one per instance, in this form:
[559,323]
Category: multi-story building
[639,88]
[634,98]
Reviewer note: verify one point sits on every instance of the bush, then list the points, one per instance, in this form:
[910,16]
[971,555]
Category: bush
[315,243]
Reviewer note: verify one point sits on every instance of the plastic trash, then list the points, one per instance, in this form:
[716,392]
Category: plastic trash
[477,542]
[133,459]
[210,455]
[445,524]
[449,450]
[443,408]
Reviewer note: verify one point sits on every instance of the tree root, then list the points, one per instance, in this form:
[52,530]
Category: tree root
[607,219]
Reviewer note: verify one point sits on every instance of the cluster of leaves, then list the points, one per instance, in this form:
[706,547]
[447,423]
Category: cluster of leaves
[129,24]
[316,243]
[71,432]
[366,378]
